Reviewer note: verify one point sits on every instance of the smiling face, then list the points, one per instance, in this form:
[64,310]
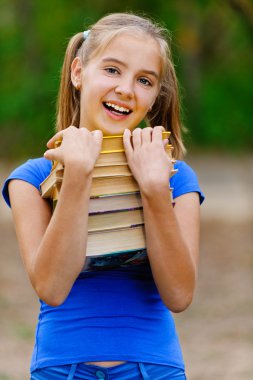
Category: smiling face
[119,84]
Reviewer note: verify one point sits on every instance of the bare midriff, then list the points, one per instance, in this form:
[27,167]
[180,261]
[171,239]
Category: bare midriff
[106,364]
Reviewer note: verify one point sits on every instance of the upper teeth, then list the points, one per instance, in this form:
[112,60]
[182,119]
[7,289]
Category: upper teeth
[118,108]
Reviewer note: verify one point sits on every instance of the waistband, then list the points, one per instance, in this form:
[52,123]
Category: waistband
[125,371]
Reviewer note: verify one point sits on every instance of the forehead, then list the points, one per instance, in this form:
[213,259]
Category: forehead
[138,50]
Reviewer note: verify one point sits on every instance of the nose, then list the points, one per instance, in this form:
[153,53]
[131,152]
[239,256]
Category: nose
[125,89]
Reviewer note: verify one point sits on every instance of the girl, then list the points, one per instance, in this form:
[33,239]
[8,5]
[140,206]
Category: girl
[112,324]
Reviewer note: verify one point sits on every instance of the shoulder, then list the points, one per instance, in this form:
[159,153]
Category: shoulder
[33,171]
[185,181]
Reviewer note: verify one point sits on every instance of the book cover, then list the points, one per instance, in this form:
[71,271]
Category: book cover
[54,179]
[115,260]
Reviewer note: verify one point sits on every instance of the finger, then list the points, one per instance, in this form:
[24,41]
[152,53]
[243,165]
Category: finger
[127,142]
[60,134]
[97,134]
[57,136]
[98,138]
[52,154]
[136,137]
[165,142]
[157,133]
[95,131]
[147,135]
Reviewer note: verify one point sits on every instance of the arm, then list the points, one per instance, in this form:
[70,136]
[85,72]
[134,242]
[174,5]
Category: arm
[172,234]
[53,248]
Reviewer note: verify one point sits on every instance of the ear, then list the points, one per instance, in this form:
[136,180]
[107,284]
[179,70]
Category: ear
[76,73]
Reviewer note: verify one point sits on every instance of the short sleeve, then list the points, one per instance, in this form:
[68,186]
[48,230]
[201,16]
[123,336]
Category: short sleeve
[185,181]
[33,171]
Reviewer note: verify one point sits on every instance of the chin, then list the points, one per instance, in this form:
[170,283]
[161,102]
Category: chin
[116,128]
[111,132]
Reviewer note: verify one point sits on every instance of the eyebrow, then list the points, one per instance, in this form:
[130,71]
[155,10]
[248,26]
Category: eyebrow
[111,59]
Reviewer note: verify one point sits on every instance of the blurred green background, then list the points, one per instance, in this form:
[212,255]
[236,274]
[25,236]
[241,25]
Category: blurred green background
[212,46]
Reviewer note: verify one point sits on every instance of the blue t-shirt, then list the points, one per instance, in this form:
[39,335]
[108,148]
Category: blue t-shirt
[108,315]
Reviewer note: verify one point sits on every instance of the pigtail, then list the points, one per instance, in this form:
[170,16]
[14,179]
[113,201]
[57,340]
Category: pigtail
[171,113]
[68,102]
[174,116]
[166,111]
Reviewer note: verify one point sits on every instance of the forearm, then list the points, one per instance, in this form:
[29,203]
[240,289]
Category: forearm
[61,254]
[171,233]
[170,258]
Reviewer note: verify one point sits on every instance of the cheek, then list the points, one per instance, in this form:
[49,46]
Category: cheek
[147,101]
[148,97]
[100,88]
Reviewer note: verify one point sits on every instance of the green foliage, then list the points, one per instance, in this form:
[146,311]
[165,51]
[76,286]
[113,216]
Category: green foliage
[212,46]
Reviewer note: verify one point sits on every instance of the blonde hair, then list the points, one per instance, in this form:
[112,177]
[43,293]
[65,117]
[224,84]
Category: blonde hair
[166,109]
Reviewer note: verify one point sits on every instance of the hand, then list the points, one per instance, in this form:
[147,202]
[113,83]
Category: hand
[147,158]
[78,146]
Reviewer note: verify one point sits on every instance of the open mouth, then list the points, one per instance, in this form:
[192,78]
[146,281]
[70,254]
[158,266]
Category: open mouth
[117,110]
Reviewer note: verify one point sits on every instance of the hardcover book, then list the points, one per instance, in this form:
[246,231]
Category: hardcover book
[116,232]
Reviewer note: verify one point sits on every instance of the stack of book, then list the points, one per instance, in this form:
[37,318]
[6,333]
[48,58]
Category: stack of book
[116,235]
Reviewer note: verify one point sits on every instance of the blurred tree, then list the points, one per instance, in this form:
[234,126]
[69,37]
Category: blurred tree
[212,45]
[216,74]
[245,9]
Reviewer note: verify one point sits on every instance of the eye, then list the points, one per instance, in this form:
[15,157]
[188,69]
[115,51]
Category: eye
[145,82]
[111,70]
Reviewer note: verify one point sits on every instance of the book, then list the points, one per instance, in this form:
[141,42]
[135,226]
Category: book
[106,203]
[115,202]
[102,174]
[113,185]
[116,232]
[100,186]
[112,242]
[48,186]
[114,143]
[112,170]
[108,158]
[55,195]
[115,260]
[112,220]
[118,157]
[115,241]
[116,170]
